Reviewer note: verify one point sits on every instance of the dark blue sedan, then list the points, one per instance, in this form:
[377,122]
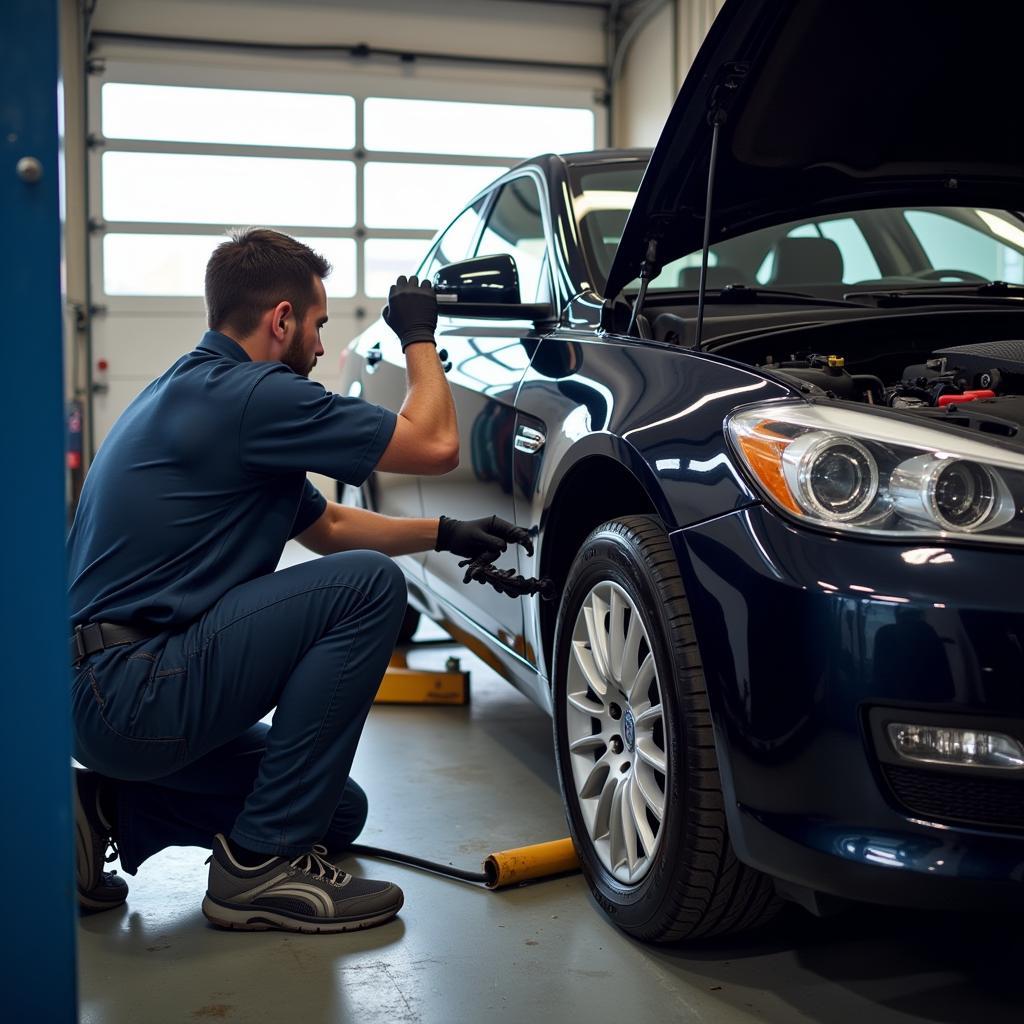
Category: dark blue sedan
[760,397]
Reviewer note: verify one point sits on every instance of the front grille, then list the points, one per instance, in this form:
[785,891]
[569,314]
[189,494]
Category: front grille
[972,800]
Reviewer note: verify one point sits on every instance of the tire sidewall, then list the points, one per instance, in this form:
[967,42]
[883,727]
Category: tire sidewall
[609,555]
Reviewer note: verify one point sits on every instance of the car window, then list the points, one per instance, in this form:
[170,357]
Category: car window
[515,226]
[457,241]
[899,244]
[859,264]
[952,245]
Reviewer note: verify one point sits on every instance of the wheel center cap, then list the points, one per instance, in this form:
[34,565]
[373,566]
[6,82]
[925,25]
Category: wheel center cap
[629,730]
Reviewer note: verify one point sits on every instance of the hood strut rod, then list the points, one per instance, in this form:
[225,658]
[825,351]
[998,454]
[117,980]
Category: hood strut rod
[648,269]
[718,119]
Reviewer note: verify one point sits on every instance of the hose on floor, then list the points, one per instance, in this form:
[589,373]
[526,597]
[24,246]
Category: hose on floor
[508,867]
[475,877]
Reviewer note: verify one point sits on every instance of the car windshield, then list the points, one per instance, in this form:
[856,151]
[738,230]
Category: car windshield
[894,248]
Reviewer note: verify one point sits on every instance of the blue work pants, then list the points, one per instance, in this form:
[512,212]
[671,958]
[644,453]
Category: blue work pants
[175,717]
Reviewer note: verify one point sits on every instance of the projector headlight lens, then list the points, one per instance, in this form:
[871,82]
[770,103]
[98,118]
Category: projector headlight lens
[964,494]
[830,475]
[875,473]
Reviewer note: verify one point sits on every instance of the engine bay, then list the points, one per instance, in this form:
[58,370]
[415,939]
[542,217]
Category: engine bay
[978,386]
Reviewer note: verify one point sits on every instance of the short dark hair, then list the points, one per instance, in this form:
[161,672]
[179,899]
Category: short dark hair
[253,271]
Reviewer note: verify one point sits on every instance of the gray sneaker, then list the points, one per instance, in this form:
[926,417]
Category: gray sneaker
[97,889]
[307,894]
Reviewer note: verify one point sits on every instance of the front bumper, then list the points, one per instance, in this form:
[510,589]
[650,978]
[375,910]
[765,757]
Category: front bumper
[802,635]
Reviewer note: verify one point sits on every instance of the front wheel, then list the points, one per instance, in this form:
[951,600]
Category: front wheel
[634,745]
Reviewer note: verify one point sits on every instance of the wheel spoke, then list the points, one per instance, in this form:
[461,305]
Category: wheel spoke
[642,680]
[646,720]
[594,614]
[654,756]
[582,703]
[631,647]
[617,827]
[636,801]
[616,637]
[595,781]
[648,789]
[587,744]
[603,816]
[629,828]
[588,666]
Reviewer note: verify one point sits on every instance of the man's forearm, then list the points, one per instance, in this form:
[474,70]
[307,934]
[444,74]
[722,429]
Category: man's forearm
[428,402]
[353,529]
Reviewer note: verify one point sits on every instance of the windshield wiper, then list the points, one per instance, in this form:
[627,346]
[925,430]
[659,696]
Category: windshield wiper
[983,294]
[738,294]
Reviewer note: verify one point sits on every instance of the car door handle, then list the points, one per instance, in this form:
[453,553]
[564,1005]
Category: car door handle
[374,354]
[529,441]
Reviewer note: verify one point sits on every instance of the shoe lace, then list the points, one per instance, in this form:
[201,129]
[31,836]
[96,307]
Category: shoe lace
[315,863]
[113,854]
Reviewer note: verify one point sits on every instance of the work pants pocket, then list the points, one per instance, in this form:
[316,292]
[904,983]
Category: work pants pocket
[111,736]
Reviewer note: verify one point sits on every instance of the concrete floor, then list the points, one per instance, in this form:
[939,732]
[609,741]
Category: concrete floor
[452,784]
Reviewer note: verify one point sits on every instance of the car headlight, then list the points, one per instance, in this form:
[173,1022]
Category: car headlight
[876,474]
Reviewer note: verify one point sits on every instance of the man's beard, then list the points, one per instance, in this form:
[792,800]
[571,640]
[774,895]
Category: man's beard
[295,357]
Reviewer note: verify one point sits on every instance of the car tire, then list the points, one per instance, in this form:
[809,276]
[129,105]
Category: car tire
[689,884]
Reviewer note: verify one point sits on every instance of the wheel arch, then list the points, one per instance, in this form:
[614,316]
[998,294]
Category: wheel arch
[595,488]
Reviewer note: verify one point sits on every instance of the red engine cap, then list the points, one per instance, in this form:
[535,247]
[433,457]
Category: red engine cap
[967,396]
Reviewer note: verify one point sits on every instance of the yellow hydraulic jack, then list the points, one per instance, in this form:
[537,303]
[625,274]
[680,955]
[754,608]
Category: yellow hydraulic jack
[404,685]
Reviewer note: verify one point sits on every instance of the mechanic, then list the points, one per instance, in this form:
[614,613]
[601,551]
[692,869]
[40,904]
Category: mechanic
[184,635]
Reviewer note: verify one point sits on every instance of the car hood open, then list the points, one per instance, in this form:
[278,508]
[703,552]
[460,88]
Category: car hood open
[834,106]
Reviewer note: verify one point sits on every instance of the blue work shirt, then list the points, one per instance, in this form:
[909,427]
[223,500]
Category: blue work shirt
[202,480]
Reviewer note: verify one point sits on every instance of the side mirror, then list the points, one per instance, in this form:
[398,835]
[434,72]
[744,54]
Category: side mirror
[487,288]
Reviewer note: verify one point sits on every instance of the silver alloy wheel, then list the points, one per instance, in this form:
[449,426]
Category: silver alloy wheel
[616,732]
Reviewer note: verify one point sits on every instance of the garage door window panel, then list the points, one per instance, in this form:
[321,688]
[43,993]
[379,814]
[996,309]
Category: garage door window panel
[250,117]
[387,258]
[175,265]
[475,129]
[189,188]
[426,196]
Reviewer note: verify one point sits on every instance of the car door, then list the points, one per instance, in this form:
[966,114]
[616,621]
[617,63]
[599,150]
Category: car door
[383,376]
[489,359]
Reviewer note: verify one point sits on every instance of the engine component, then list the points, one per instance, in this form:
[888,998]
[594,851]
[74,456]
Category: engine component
[980,359]
[967,396]
[829,375]
[1001,417]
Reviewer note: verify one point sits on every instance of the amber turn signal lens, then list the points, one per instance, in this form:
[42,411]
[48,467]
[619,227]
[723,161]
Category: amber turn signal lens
[763,450]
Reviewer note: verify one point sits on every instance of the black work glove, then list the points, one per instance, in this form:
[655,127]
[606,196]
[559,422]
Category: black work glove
[478,537]
[411,311]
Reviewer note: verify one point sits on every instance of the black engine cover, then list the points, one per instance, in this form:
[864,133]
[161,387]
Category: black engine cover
[1005,356]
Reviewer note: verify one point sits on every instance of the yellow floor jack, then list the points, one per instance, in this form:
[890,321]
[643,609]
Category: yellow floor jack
[405,685]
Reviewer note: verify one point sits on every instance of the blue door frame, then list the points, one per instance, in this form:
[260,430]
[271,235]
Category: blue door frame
[36,851]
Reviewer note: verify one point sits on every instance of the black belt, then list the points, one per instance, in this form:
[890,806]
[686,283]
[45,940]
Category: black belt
[98,636]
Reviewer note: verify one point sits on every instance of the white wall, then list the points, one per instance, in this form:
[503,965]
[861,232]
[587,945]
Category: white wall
[655,66]
[644,92]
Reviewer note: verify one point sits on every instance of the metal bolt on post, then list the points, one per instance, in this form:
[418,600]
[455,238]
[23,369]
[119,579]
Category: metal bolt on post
[29,169]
